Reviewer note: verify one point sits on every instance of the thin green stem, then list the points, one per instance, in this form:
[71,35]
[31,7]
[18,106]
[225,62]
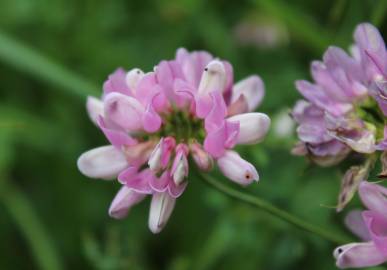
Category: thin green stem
[268,207]
[30,226]
[27,60]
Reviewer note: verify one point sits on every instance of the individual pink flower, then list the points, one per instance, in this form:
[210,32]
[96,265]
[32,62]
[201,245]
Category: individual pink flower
[156,121]
[370,226]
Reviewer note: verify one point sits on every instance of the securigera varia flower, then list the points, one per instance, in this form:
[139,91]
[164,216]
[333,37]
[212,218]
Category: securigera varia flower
[345,108]
[370,226]
[185,107]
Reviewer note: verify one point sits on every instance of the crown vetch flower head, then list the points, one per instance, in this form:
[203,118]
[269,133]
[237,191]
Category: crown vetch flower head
[155,121]
[346,107]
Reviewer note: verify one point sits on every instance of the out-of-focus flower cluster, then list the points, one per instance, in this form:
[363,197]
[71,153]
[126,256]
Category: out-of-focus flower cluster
[344,113]
[155,121]
[345,108]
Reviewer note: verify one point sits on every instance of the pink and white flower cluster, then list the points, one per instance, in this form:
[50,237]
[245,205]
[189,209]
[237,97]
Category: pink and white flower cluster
[344,111]
[346,107]
[185,107]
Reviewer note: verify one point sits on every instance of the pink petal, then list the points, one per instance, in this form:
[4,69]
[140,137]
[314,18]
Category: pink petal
[160,184]
[316,95]
[128,174]
[227,92]
[123,201]
[232,133]
[116,137]
[202,159]
[152,121]
[214,143]
[161,154]
[185,93]
[147,87]
[139,182]
[139,153]
[116,83]
[193,64]
[372,49]
[94,108]
[355,222]
[104,162]
[252,88]
[165,79]
[203,105]
[132,78]
[238,106]
[374,197]
[168,146]
[358,255]
[176,191]
[377,228]
[124,111]
[179,169]
[219,111]
[213,78]
[253,127]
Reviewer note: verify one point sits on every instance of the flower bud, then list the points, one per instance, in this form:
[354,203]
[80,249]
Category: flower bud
[202,159]
[161,154]
[155,157]
[237,169]
[349,184]
[123,201]
[162,205]
[180,164]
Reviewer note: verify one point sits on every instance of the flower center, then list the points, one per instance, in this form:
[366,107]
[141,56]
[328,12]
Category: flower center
[183,126]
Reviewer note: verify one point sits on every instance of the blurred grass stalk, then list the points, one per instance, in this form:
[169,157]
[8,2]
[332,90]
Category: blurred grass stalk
[29,61]
[30,226]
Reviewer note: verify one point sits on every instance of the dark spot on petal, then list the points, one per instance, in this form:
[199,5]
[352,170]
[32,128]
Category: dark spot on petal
[340,250]
[206,69]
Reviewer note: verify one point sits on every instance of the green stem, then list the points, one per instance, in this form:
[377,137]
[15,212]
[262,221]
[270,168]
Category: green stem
[27,60]
[268,207]
[30,226]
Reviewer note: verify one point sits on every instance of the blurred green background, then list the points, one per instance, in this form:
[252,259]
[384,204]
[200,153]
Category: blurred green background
[55,52]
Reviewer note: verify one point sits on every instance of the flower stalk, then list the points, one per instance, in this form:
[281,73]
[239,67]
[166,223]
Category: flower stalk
[273,210]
